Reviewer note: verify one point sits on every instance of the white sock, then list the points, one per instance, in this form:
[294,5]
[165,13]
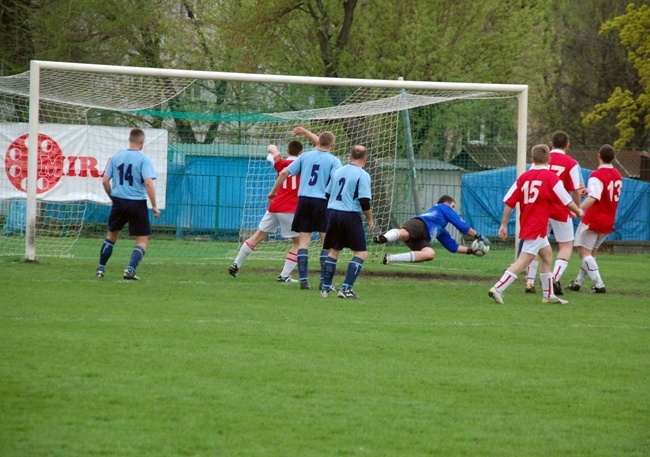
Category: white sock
[244,252]
[546,280]
[404,257]
[289,264]
[505,281]
[559,269]
[531,272]
[589,264]
[582,274]
[392,235]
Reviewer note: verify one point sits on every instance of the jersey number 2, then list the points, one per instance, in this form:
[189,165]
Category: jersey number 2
[339,197]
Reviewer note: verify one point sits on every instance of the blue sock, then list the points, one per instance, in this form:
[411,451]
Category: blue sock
[323,257]
[136,257]
[354,268]
[303,260]
[329,268]
[105,253]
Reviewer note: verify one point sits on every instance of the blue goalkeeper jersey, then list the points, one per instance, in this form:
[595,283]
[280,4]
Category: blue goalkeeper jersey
[437,218]
[315,168]
[128,170]
[348,185]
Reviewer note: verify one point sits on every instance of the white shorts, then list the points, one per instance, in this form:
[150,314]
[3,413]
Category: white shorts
[587,239]
[563,231]
[271,221]
[532,247]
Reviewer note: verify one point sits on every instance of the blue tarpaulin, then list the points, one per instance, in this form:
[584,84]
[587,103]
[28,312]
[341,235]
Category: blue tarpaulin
[207,195]
[482,204]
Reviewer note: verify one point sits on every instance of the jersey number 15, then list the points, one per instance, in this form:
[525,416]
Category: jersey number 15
[530,189]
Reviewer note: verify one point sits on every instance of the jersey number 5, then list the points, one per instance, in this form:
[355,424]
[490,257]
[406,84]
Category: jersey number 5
[314,174]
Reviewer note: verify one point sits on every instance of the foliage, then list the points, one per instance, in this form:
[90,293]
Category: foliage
[551,45]
[583,69]
[633,118]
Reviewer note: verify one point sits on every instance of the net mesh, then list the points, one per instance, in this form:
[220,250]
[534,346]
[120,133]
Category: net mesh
[213,171]
[371,117]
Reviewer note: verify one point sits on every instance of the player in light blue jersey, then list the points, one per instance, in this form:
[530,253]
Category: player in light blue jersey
[349,195]
[132,176]
[315,168]
[420,230]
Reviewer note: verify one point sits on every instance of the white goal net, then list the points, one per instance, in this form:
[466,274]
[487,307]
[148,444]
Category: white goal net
[372,117]
[207,133]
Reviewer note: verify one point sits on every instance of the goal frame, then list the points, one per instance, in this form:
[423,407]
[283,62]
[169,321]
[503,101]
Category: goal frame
[34,107]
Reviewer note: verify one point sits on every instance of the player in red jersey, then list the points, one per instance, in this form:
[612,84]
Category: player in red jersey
[604,190]
[568,170]
[536,191]
[279,213]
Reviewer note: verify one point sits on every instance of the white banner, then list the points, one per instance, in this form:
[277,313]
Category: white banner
[72,160]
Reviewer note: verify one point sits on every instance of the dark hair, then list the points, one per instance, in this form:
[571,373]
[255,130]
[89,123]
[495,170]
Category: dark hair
[358,152]
[607,153]
[294,148]
[446,199]
[560,140]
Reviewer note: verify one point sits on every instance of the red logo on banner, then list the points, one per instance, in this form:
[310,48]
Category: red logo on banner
[49,163]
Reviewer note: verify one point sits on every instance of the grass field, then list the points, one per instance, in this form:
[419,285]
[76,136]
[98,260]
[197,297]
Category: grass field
[192,362]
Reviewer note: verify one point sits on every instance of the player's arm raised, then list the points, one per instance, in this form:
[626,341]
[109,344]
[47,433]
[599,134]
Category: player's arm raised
[274,154]
[303,131]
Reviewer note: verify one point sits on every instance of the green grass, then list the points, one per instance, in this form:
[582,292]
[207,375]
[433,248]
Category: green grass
[192,362]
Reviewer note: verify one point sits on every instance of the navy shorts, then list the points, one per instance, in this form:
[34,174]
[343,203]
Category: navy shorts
[418,234]
[344,230]
[134,212]
[310,216]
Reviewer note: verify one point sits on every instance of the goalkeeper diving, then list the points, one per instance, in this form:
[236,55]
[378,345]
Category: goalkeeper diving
[418,232]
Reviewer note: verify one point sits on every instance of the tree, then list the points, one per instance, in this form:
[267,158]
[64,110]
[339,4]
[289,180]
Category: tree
[414,39]
[632,104]
[584,70]
[382,39]
[14,36]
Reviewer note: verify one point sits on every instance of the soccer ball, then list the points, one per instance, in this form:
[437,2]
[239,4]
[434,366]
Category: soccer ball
[479,248]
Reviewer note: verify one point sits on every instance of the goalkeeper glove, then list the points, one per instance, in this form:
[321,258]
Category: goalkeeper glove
[484,239]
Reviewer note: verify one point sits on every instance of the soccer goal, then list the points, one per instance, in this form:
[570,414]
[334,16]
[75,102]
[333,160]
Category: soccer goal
[207,133]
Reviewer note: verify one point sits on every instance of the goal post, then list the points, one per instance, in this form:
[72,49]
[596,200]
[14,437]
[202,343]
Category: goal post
[358,110]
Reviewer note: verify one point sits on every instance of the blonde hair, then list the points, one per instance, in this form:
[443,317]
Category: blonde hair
[540,153]
[326,139]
